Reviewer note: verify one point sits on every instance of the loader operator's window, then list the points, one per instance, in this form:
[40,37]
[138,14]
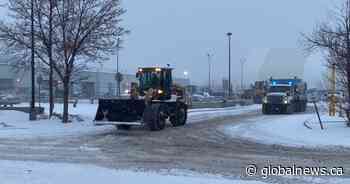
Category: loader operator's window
[155,80]
[150,80]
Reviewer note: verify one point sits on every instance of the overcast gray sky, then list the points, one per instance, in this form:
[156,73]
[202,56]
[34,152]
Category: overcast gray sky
[181,32]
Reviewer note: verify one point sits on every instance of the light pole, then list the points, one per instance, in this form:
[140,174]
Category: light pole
[229,34]
[118,74]
[243,61]
[32,114]
[209,71]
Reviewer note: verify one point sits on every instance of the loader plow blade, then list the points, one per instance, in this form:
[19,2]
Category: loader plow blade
[119,110]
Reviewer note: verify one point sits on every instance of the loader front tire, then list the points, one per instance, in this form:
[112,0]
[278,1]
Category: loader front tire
[154,117]
[180,116]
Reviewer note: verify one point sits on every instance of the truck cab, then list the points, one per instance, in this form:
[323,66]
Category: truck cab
[285,96]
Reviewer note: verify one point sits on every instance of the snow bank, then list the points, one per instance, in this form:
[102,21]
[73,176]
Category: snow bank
[85,110]
[290,130]
[17,172]
[15,125]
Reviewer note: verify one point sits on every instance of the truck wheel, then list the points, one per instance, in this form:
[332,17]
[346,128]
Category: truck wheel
[291,108]
[154,117]
[265,110]
[300,108]
[304,107]
[123,127]
[180,117]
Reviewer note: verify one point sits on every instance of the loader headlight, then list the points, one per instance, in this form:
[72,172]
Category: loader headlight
[285,100]
[160,91]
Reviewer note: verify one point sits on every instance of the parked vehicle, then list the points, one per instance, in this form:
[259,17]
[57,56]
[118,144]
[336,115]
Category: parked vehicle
[9,100]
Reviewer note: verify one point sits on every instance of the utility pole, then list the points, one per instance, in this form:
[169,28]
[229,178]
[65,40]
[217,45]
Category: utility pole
[32,114]
[209,71]
[118,74]
[243,61]
[229,34]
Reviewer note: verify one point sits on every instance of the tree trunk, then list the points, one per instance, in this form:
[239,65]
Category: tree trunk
[66,89]
[51,95]
[51,100]
[347,105]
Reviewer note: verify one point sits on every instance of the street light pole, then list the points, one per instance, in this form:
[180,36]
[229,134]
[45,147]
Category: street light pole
[229,34]
[209,74]
[243,61]
[118,75]
[32,114]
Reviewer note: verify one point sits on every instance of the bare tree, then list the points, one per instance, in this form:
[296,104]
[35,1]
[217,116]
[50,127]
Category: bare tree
[332,37]
[50,18]
[74,33]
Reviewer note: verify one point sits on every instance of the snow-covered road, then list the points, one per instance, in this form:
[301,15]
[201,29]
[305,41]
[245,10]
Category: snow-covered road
[15,125]
[19,172]
[200,146]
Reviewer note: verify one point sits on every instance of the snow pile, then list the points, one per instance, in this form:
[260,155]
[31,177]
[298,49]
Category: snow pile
[15,124]
[290,130]
[17,172]
[84,110]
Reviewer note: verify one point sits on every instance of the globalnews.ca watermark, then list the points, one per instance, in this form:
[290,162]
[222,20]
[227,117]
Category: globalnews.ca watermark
[293,170]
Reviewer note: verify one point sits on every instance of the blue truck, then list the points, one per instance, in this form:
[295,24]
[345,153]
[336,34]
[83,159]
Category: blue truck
[285,96]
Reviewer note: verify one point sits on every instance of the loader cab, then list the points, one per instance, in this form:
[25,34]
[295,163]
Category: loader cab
[159,79]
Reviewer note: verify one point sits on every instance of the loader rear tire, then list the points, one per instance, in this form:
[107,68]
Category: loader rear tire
[180,117]
[154,117]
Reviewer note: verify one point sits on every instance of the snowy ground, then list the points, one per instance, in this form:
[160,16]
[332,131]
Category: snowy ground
[300,130]
[18,172]
[15,124]
[175,156]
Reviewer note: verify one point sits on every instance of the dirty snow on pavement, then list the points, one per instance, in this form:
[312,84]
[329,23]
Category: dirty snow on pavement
[15,124]
[196,115]
[298,130]
[19,172]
